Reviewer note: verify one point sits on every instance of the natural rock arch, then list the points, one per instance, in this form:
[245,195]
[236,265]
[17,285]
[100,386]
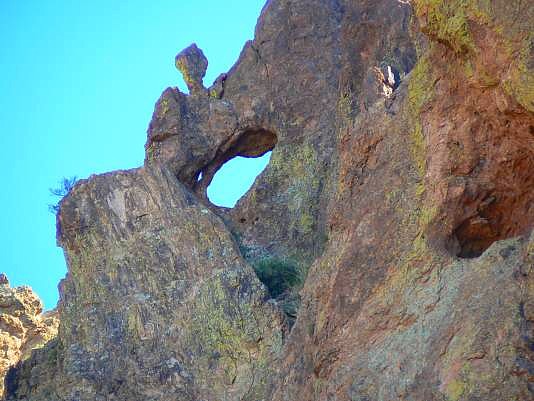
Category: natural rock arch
[252,142]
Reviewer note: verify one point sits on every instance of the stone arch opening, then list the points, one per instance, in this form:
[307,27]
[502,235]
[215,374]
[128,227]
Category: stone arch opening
[235,178]
[249,143]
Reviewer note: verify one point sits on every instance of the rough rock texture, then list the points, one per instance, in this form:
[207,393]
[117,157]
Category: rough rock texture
[444,170]
[23,326]
[402,176]
[158,303]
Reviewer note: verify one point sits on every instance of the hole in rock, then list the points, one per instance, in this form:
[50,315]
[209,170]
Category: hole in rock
[235,166]
[503,214]
[492,176]
[235,178]
[474,236]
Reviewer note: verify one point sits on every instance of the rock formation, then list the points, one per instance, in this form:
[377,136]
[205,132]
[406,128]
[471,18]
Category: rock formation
[401,178]
[23,326]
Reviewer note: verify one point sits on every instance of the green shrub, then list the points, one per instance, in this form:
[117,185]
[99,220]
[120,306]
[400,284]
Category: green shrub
[280,276]
[284,279]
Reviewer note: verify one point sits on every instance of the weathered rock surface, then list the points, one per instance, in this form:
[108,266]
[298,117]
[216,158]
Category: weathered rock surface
[23,326]
[393,309]
[158,303]
[403,179]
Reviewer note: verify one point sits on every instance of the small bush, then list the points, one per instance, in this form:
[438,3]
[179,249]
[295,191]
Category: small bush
[63,188]
[284,279]
[279,275]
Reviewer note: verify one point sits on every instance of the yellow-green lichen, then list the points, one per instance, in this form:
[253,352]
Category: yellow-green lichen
[521,83]
[419,155]
[420,92]
[134,323]
[345,105]
[392,196]
[229,334]
[469,70]
[455,390]
[163,108]
[306,223]
[150,152]
[423,217]
[447,22]
[182,67]
[303,186]
[486,80]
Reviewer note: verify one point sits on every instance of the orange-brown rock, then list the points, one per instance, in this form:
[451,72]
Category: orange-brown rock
[423,290]
[23,325]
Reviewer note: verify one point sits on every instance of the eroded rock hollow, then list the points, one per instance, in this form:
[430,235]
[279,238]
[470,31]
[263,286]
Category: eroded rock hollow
[401,181]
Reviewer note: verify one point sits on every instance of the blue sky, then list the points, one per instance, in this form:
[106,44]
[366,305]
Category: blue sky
[78,84]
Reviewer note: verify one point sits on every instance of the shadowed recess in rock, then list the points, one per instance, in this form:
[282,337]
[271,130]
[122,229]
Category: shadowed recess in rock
[497,203]
[235,178]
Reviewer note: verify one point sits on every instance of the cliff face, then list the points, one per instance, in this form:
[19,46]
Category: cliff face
[23,327]
[402,177]
[422,292]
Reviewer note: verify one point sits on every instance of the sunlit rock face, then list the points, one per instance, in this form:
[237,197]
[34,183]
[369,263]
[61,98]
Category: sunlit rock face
[23,326]
[401,179]
[157,300]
